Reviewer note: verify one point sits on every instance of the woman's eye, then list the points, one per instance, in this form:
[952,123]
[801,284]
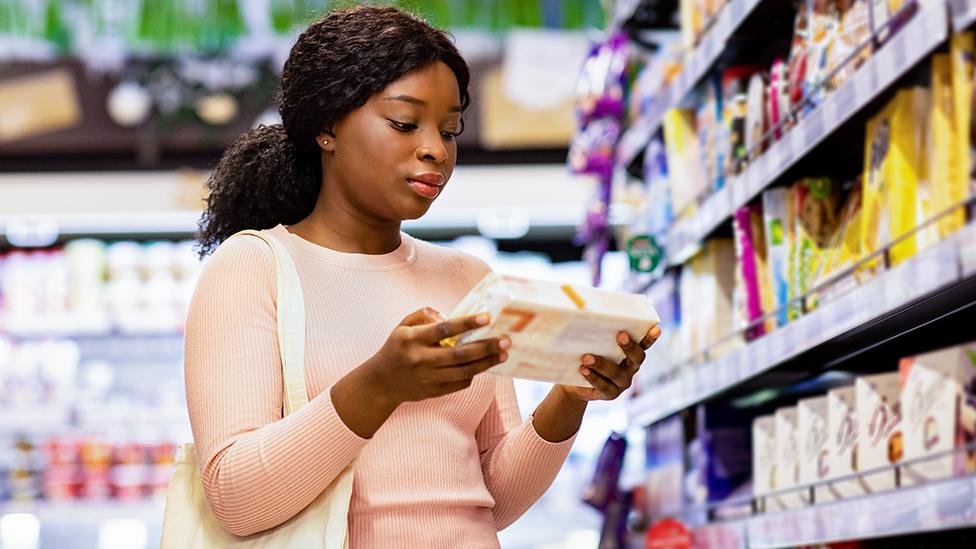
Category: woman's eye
[403,126]
[450,136]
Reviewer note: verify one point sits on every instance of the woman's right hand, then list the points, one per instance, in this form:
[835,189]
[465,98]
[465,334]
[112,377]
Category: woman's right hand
[412,365]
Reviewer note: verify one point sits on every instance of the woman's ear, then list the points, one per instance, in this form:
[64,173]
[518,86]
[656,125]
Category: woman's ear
[326,141]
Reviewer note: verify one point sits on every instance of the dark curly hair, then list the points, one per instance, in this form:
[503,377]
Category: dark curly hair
[272,174]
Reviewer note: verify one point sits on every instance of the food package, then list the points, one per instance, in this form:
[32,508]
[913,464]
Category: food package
[817,220]
[778,234]
[962,48]
[778,99]
[749,306]
[853,36]
[709,125]
[708,303]
[892,169]
[756,122]
[879,427]
[763,456]
[842,445]
[811,422]
[939,410]
[552,325]
[787,462]
[824,28]
[843,251]
[685,171]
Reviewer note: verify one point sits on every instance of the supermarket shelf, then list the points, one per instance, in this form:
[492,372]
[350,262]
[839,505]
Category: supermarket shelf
[686,236]
[922,34]
[963,13]
[895,302]
[697,63]
[944,505]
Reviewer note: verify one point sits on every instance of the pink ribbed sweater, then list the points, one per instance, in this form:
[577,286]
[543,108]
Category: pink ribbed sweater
[445,472]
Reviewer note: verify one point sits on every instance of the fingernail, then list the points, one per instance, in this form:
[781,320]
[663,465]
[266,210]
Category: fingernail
[505,343]
[483,319]
[502,356]
[589,360]
[623,338]
[585,371]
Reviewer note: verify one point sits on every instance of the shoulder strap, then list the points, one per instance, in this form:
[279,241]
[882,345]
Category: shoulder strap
[291,324]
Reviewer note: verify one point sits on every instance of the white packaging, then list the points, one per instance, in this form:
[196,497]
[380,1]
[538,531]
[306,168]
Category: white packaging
[763,456]
[811,422]
[787,462]
[938,411]
[842,444]
[879,429]
[552,325]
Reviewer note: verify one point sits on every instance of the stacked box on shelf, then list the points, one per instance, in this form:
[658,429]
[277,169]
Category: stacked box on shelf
[879,427]
[814,449]
[842,445]
[787,462]
[939,409]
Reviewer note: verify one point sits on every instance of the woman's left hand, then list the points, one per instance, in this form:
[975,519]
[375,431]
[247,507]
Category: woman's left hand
[608,378]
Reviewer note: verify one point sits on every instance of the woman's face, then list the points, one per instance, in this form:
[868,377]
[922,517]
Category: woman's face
[389,159]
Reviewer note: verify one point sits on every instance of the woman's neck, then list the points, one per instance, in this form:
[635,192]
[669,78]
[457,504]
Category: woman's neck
[339,228]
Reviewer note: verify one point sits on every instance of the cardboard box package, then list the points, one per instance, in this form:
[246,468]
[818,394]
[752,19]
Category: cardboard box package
[939,412]
[787,462]
[880,441]
[842,445]
[763,456]
[552,325]
[811,423]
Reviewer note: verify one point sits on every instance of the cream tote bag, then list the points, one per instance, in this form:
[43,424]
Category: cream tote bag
[188,522]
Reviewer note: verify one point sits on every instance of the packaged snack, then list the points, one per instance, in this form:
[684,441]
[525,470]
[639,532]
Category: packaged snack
[842,445]
[764,456]
[824,24]
[709,126]
[797,64]
[879,427]
[778,236]
[942,170]
[811,421]
[853,36]
[681,143]
[747,274]
[552,325]
[761,253]
[817,220]
[788,461]
[756,123]
[735,82]
[939,409]
[712,317]
[778,99]
[891,175]
[844,248]
[962,48]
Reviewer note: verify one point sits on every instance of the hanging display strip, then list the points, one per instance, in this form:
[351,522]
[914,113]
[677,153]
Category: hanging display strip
[921,35]
[933,269]
[943,505]
[963,13]
[684,238]
[697,63]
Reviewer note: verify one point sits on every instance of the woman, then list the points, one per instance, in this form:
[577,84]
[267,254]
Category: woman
[371,100]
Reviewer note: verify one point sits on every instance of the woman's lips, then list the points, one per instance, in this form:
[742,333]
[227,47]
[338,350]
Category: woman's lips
[426,185]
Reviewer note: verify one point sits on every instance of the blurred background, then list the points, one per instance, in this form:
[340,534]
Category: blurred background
[788,180]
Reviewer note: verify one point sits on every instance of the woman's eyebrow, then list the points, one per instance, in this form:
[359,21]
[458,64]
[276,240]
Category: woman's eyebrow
[415,101]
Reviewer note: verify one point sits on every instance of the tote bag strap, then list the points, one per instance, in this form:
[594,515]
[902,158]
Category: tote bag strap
[291,323]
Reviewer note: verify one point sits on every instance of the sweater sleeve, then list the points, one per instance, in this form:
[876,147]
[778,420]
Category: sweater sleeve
[518,464]
[258,469]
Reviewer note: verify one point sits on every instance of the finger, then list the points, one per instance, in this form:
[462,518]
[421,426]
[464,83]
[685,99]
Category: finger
[651,337]
[619,376]
[423,316]
[634,352]
[606,387]
[433,333]
[465,372]
[444,357]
